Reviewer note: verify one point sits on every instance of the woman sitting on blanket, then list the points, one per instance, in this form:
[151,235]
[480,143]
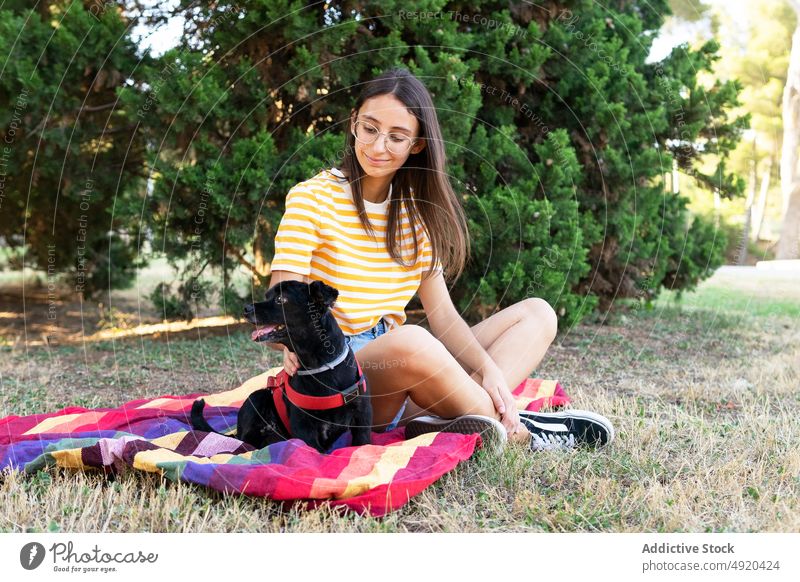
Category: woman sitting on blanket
[453,378]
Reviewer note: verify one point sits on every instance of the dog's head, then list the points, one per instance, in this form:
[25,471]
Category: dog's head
[291,312]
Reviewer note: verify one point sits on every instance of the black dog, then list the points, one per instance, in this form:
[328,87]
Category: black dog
[298,316]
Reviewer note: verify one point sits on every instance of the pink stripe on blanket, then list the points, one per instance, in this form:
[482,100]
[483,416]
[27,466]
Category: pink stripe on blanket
[214,444]
[111,449]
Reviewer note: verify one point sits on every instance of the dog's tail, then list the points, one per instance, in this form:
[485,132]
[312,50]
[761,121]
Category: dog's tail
[198,420]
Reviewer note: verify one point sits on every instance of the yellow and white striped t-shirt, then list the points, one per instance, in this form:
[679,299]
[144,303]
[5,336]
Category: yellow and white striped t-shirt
[320,236]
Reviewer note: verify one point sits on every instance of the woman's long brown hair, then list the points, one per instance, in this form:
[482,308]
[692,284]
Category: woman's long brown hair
[434,203]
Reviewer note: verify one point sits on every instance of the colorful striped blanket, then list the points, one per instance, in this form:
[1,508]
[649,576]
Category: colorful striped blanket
[155,435]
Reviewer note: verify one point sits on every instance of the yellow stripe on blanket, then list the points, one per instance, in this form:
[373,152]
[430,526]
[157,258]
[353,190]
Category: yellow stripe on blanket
[148,460]
[69,458]
[169,441]
[166,404]
[240,394]
[546,389]
[392,460]
[66,422]
[361,461]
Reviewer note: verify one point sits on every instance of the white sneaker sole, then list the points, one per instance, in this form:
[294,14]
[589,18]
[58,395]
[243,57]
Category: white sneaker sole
[493,433]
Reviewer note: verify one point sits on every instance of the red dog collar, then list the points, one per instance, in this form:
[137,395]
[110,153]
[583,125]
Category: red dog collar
[279,385]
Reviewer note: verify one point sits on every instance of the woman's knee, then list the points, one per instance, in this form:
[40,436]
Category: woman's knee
[543,314]
[418,347]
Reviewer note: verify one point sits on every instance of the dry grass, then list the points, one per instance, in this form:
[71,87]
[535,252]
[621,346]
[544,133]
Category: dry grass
[704,399]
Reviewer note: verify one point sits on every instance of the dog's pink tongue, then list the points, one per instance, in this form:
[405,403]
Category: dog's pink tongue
[261,331]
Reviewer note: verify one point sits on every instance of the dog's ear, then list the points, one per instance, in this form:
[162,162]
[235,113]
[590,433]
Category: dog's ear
[322,294]
[275,286]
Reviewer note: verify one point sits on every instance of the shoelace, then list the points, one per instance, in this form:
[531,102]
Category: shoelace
[551,442]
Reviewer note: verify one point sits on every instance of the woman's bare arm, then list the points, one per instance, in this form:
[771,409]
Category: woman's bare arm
[278,276]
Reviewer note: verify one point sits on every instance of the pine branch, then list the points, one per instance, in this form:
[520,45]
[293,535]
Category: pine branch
[237,253]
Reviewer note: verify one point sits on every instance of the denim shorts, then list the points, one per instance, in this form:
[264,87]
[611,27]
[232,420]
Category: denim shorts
[358,341]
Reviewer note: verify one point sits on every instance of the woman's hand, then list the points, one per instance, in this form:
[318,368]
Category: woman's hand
[290,360]
[495,384]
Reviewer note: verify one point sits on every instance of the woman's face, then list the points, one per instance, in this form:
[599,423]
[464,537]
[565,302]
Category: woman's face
[389,115]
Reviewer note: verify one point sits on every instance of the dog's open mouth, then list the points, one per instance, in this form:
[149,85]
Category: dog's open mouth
[267,332]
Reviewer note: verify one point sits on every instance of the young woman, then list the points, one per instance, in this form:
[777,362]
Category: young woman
[387,225]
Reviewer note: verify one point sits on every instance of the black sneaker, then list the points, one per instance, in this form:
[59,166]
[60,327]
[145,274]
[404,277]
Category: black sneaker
[493,433]
[567,429]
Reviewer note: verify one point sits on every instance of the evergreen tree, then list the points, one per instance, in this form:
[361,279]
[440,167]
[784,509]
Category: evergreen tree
[559,133]
[630,119]
[70,155]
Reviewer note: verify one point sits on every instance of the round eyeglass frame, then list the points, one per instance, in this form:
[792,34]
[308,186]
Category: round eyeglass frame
[410,140]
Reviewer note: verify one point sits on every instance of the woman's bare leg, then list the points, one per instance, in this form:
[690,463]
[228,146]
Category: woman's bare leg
[516,338]
[409,361]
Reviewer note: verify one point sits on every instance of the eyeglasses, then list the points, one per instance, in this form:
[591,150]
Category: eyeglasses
[397,143]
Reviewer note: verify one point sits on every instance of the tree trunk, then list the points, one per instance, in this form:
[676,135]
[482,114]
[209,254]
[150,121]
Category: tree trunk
[262,266]
[748,207]
[741,258]
[789,244]
[761,205]
[790,181]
